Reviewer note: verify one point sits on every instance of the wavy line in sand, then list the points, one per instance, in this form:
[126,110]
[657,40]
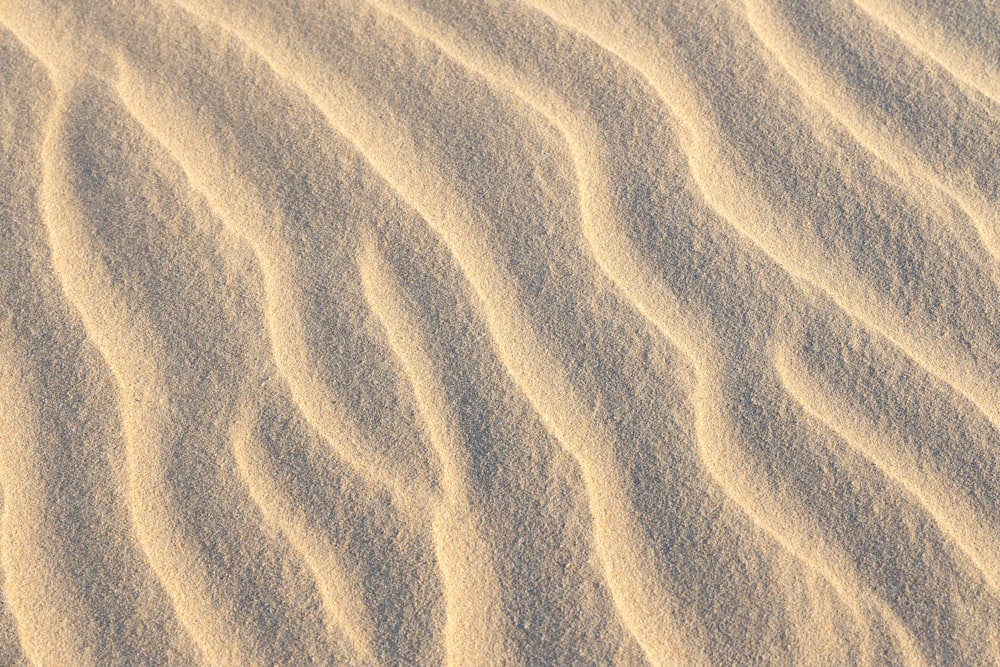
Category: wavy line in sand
[66,452]
[642,292]
[784,517]
[911,642]
[475,618]
[944,514]
[726,194]
[70,263]
[18,512]
[284,329]
[935,149]
[207,599]
[473,261]
[345,609]
[919,630]
[792,548]
[651,635]
[618,266]
[288,338]
[979,71]
[415,501]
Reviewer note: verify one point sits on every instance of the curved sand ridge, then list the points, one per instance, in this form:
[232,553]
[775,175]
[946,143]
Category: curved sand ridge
[480,333]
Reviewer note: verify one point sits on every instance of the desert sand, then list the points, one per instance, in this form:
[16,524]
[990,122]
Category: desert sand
[499,332]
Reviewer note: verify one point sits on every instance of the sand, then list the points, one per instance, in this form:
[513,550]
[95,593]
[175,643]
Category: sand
[489,332]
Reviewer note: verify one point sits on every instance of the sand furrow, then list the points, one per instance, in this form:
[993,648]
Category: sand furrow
[687,265]
[379,332]
[378,585]
[486,453]
[818,493]
[653,626]
[416,502]
[959,35]
[174,406]
[618,519]
[522,357]
[912,116]
[382,632]
[307,321]
[766,189]
[63,447]
[290,322]
[476,624]
[586,151]
[953,505]
[316,347]
[600,481]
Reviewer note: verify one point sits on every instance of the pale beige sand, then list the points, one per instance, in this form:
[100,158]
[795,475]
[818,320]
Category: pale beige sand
[488,332]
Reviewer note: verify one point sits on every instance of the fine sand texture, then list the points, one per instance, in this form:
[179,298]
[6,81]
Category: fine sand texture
[499,332]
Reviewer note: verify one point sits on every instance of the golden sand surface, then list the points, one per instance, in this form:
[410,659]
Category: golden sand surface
[499,332]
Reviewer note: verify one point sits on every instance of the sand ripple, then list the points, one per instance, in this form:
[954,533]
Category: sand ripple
[483,332]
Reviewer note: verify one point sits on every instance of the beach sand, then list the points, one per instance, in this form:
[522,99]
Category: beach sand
[499,332]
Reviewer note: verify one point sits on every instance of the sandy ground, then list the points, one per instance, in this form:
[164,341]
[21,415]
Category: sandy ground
[489,332]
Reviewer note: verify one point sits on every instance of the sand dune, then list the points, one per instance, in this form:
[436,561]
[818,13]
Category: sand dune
[499,332]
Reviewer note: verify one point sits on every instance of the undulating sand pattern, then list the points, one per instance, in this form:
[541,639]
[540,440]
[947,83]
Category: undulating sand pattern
[489,332]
